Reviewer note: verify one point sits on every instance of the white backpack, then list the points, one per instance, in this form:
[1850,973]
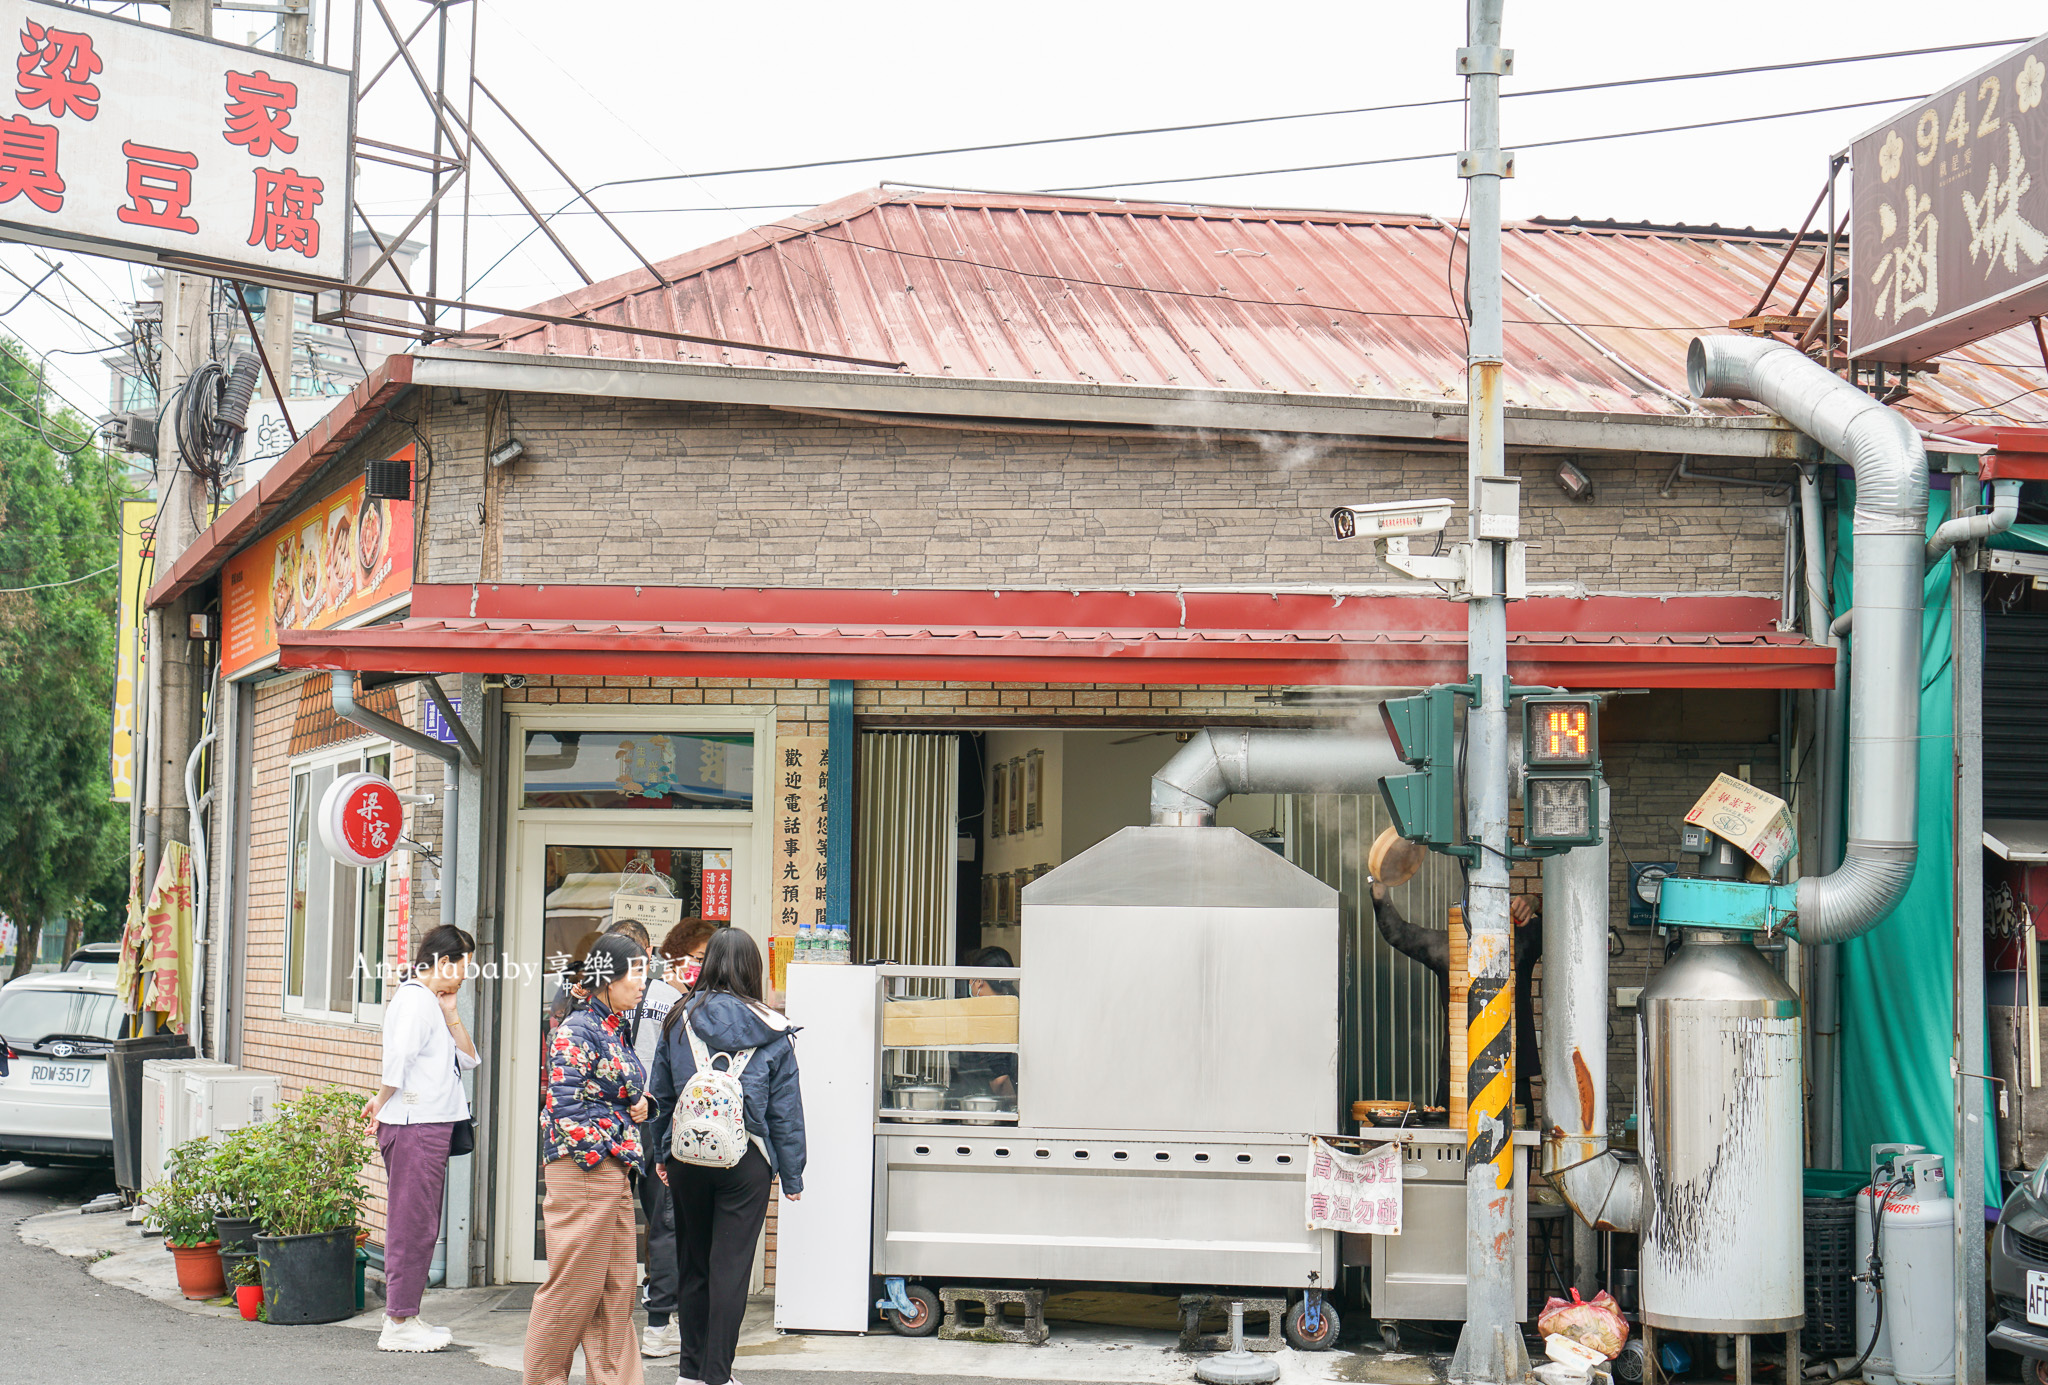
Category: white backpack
[710,1124]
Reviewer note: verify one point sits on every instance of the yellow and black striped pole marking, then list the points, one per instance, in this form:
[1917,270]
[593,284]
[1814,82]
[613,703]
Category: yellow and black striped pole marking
[1490,1073]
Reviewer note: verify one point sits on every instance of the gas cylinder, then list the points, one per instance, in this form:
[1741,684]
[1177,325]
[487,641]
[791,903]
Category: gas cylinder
[1917,1243]
[1883,1169]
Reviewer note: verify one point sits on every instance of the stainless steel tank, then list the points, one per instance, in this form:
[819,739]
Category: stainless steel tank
[1719,1104]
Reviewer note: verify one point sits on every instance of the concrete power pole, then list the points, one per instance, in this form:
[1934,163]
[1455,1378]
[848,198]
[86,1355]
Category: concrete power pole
[181,514]
[1490,1347]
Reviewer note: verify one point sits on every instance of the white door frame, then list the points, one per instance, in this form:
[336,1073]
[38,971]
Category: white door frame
[533,831]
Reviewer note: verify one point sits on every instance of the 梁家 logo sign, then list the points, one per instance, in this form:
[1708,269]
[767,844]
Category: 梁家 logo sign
[361,819]
[127,139]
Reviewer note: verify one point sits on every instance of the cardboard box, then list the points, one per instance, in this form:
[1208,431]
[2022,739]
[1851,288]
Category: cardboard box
[990,1019]
[1759,824]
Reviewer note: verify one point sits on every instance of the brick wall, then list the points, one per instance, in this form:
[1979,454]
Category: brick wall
[306,1053]
[625,491]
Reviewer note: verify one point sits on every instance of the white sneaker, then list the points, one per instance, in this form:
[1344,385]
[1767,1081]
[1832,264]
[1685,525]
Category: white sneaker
[662,1341]
[412,1335]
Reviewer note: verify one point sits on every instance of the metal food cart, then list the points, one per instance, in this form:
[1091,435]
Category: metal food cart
[1176,1045]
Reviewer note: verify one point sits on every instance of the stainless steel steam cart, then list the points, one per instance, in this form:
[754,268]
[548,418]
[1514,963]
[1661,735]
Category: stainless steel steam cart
[1133,1103]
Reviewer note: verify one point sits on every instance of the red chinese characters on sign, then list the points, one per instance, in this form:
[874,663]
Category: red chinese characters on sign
[284,212]
[28,163]
[372,819]
[55,72]
[259,108]
[717,898]
[159,188]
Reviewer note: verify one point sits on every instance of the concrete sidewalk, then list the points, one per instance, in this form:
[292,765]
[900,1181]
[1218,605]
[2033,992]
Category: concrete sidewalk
[491,1323]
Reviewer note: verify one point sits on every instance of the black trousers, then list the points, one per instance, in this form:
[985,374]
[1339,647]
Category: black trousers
[660,1211]
[719,1215]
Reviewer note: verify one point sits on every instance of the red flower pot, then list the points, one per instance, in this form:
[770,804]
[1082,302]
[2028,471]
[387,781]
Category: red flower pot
[249,1298]
[199,1270]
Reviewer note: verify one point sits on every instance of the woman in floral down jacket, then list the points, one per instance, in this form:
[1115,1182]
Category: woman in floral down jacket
[590,1137]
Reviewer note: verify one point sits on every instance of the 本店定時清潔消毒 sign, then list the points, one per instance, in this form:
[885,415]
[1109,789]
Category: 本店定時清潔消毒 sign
[1948,235]
[127,139]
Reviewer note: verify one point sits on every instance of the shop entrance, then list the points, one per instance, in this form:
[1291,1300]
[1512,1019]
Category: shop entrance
[568,877]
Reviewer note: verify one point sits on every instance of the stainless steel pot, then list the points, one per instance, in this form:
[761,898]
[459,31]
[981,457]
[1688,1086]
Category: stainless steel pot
[981,1103]
[917,1098]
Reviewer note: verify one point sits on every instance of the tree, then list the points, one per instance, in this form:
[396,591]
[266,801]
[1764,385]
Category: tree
[63,841]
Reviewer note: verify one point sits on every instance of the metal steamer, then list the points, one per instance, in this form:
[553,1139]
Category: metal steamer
[1178,1044]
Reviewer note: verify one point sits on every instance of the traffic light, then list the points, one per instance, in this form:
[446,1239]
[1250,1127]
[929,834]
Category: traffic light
[1561,771]
[1424,805]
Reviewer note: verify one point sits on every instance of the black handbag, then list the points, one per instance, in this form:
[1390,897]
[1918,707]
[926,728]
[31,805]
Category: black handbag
[462,1139]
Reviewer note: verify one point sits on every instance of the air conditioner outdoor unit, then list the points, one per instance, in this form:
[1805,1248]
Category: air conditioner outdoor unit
[164,1110]
[227,1099]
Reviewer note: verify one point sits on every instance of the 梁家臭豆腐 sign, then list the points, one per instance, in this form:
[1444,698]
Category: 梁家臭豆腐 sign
[128,139]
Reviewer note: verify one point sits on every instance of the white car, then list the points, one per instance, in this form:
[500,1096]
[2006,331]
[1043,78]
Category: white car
[54,1107]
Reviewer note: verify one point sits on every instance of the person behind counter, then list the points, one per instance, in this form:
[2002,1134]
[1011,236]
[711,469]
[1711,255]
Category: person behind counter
[590,1131]
[1432,948]
[999,1070]
[720,1212]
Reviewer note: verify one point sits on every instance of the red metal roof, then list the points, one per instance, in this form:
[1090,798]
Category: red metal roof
[1043,636]
[1080,290]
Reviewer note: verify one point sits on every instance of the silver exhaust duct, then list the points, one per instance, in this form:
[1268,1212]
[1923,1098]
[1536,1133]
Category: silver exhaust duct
[1606,1193]
[1884,677]
[1213,765]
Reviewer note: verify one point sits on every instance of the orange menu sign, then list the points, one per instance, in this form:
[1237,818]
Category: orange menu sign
[326,564]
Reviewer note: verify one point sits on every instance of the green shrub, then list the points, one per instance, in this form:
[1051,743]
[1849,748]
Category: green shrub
[238,1170]
[183,1204]
[308,1166]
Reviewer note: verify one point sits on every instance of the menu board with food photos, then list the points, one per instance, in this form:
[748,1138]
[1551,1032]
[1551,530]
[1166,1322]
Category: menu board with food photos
[329,563]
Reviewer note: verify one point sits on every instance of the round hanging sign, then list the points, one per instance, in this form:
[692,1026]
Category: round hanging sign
[360,819]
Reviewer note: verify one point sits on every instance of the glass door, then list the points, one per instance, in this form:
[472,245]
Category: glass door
[567,878]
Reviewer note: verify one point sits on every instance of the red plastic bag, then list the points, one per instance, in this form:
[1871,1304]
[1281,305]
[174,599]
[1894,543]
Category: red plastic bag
[1598,1325]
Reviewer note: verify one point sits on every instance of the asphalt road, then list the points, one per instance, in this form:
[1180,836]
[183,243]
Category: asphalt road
[58,1323]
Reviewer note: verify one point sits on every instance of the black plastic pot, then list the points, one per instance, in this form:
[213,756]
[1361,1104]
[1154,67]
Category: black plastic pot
[237,1234]
[309,1279]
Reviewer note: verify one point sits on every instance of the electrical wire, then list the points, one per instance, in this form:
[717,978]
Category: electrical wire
[1214,125]
[69,582]
[1519,147]
[1307,115]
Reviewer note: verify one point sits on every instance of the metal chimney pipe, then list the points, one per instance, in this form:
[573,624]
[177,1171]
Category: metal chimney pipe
[1213,765]
[1606,1193]
[1884,678]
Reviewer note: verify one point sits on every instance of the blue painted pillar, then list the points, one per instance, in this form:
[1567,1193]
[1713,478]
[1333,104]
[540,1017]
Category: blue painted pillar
[840,749]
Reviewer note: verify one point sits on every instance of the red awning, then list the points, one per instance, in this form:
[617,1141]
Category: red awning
[1305,638]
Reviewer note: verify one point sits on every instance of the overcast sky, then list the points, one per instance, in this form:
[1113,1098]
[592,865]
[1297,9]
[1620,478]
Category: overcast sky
[625,89]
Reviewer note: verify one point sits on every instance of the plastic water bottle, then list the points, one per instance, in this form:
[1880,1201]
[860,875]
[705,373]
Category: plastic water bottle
[806,944]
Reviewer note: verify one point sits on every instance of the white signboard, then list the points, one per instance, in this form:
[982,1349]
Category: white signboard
[1360,1193]
[125,139]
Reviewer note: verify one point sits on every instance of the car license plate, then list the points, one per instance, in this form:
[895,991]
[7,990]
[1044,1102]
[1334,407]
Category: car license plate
[80,1075]
[2037,1297]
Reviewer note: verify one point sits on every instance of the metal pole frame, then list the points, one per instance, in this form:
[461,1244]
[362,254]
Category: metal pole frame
[1490,1347]
[1967,1061]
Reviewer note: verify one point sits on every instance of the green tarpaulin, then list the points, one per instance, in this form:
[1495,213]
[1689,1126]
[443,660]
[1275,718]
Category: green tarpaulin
[1898,980]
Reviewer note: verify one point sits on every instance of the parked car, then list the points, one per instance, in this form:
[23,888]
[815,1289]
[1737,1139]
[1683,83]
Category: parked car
[58,1028]
[96,959]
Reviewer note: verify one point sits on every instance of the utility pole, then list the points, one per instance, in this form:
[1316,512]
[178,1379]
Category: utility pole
[186,343]
[278,305]
[1490,1347]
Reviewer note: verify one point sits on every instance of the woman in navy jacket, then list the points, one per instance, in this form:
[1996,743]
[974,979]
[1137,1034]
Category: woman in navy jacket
[720,1212]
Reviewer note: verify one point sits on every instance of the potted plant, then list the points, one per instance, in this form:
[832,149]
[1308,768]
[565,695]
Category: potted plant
[308,1197]
[245,1279]
[182,1207]
[237,1176]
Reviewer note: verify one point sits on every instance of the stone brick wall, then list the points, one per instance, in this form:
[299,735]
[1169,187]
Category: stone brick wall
[621,491]
[306,1053]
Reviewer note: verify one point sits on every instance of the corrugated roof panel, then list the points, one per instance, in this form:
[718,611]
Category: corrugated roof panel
[1078,290]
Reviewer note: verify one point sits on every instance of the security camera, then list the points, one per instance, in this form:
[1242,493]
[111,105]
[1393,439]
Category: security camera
[1395,519]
